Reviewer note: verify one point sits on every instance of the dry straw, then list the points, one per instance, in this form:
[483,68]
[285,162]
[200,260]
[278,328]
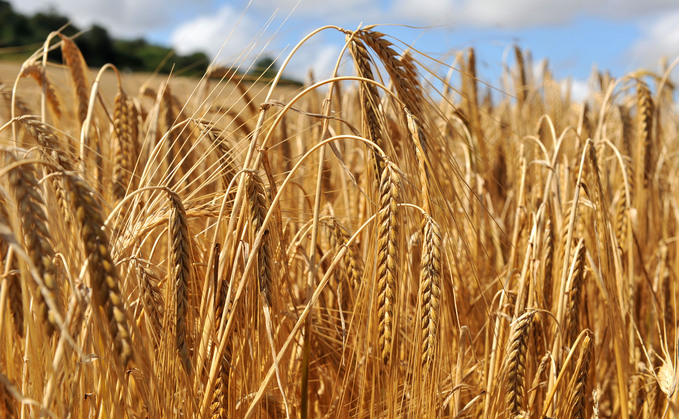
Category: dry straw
[542,235]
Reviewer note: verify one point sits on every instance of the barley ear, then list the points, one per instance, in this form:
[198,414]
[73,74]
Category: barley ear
[387,257]
[36,72]
[352,258]
[125,129]
[430,290]
[258,208]
[180,275]
[78,69]
[103,275]
[27,193]
[576,279]
[645,109]
[516,363]
[578,384]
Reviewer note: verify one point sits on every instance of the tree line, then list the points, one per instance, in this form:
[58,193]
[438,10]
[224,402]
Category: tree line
[20,35]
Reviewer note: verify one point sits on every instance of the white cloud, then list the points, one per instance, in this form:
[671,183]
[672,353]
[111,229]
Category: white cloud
[204,25]
[137,17]
[235,38]
[522,13]
[123,18]
[630,9]
[538,70]
[579,89]
[324,11]
[227,34]
[316,55]
[660,38]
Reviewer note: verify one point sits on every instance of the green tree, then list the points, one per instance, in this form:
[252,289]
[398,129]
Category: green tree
[97,47]
[265,68]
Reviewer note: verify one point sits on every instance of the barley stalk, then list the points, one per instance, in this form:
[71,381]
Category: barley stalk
[548,267]
[521,83]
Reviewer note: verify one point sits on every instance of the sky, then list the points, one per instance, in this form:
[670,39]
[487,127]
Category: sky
[574,35]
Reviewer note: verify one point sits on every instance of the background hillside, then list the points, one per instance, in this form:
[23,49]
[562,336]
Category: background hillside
[21,35]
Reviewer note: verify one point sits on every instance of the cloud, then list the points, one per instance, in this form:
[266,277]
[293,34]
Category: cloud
[660,38]
[138,17]
[579,89]
[522,13]
[235,38]
[227,34]
[237,25]
[323,11]
[316,55]
[476,13]
[124,18]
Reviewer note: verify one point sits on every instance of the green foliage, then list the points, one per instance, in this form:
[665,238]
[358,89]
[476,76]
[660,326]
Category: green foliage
[17,29]
[265,67]
[26,33]
[97,46]
[265,70]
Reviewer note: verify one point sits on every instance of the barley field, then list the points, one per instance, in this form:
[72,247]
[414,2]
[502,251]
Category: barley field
[401,240]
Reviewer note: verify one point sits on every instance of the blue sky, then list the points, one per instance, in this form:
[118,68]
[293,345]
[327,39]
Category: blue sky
[575,35]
